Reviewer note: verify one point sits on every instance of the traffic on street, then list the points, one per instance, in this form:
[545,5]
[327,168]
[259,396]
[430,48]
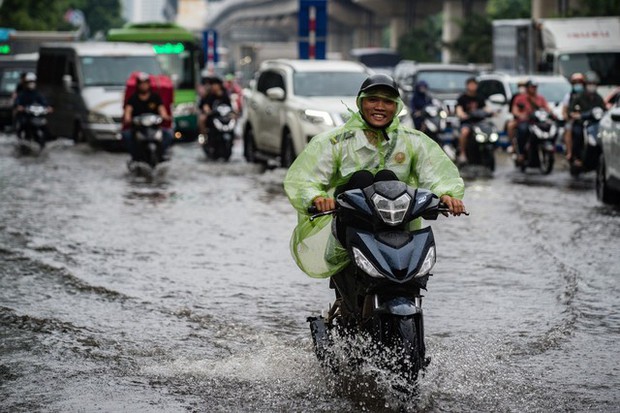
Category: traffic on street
[200,214]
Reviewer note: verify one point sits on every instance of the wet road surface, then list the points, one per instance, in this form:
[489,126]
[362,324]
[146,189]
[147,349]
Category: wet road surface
[181,295]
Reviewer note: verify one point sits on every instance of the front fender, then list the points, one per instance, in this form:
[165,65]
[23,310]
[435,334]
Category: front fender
[399,306]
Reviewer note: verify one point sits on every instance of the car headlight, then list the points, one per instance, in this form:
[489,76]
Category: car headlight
[392,212]
[96,117]
[365,265]
[480,138]
[428,264]
[317,117]
[493,137]
[184,109]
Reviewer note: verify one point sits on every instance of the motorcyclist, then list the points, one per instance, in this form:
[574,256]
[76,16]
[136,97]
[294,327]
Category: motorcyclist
[216,95]
[233,88]
[144,100]
[523,108]
[370,146]
[578,82]
[29,95]
[583,102]
[467,103]
[420,99]
[511,126]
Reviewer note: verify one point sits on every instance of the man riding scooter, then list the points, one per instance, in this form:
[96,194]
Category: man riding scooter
[581,110]
[524,106]
[467,103]
[28,96]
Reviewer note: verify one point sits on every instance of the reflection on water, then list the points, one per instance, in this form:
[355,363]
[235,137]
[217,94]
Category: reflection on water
[180,295]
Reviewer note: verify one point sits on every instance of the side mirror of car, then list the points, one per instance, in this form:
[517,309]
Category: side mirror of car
[615,114]
[68,83]
[497,99]
[276,93]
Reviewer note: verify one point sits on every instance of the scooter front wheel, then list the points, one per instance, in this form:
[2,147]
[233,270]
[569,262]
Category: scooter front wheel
[400,335]
[546,161]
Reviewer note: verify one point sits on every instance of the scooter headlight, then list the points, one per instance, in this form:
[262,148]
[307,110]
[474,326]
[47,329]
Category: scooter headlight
[428,264]
[365,265]
[158,135]
[392,212]
[493,137]
[481,138]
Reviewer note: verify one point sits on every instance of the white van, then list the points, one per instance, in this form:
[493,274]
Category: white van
[85,84]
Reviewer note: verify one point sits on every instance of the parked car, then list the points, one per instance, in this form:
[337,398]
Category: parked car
[377,59]
[608,175]
[85,83]
[11,67]
[499,88]
[445,83]
[290,101]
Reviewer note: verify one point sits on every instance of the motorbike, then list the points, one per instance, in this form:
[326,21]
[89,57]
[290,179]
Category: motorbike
[148,137]
[586,144]
[32,133]
[481,145]
[378,293]
[540,148]
[221,132]
[434,121]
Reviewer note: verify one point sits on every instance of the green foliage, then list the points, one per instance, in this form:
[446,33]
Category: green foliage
[32,14]
[475,45]
[100,15]
[423,44]
[593,8]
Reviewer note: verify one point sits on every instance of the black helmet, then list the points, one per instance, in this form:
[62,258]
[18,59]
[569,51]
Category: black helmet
[379,80]
[592,77]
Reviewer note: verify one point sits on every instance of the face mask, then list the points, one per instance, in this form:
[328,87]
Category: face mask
[591,88]
[30,85]
[522,89]
[578,88]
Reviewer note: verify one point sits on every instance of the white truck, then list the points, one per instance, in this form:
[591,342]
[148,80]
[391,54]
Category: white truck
[559,46]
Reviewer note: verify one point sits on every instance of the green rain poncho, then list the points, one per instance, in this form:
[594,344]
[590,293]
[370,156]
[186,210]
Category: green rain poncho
[332,157]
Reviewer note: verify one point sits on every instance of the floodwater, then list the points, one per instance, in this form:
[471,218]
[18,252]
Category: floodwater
[181,295]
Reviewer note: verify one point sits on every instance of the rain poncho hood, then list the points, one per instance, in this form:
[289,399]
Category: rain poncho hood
[332,157]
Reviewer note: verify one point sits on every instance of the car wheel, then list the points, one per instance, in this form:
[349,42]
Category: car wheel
[604,193]
[78,133]
[288,152]
[249,146]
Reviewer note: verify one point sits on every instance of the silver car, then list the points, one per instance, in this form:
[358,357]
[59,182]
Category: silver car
[608,175]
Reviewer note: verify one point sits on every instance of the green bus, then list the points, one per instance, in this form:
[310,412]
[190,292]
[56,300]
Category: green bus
[178,51]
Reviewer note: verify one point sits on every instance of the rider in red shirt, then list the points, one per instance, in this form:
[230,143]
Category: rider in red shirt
[523,107]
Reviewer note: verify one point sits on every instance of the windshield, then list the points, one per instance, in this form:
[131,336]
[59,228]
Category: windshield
[604,64]
[115,70]
[10,79]
[444,81]
[180,64]
[552,91]
[327,83]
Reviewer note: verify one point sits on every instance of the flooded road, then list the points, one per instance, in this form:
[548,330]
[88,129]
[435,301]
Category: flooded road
[181,295]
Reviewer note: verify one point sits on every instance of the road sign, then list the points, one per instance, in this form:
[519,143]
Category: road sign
[209,44]
[312,29]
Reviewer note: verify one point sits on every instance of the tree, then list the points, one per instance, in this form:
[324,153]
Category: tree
[592,8]
[32,14]
[100,15]
[423,44]
[476,40]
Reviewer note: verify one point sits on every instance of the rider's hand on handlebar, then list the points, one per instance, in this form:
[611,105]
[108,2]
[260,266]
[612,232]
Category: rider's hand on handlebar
[324,204]
[456,206]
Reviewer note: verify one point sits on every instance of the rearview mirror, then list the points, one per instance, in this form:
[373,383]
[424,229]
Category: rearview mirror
[67,82]
[276,93]
[615,114]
